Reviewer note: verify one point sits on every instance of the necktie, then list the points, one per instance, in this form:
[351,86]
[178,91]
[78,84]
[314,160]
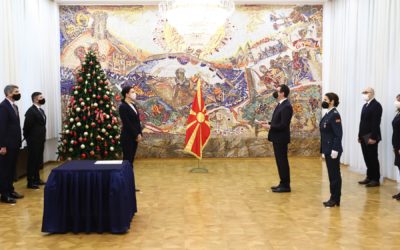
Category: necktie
[15,107]
[42,112]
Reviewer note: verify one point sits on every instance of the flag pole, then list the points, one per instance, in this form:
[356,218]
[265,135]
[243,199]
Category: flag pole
[199,169]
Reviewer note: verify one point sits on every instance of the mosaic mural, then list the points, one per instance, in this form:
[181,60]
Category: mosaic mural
[259,48]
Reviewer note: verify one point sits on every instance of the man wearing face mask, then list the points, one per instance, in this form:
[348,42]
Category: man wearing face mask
[131,133]
[35,135]
[331,146]
[10,143]
[279,135]
[396,138]
[369,136]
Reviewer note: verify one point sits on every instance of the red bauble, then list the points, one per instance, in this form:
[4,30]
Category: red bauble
[75,142]
[105,144]
[91,62]
[80,79]
[84,118]
[105,97]
[77,119]
[97,148]
[98,97]
[80,99]
[71,133]
[109,126]
[83,156]
[85,139]
[93,125]
[90,90]
[91,153]
[105,153]
[79,87]
[80,139]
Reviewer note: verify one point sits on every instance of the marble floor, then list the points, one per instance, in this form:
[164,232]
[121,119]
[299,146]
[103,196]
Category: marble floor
[231,207]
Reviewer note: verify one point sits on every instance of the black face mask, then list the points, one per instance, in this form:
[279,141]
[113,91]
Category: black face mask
[275,94]
[325,105]
[16,97]
[42,101]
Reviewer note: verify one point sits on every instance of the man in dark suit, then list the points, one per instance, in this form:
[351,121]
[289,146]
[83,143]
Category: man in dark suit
[279,135]
[35,135]
[369,136]
[131,132]
[10,143]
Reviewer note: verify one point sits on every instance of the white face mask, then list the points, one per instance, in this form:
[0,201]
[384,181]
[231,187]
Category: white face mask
[366,97]
[133,96]
[397,104]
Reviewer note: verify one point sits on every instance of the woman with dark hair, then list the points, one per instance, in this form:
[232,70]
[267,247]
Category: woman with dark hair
[396,138]
[331,146]
[131,132]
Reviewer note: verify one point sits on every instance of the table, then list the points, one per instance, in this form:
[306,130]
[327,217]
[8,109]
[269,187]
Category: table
[81,196]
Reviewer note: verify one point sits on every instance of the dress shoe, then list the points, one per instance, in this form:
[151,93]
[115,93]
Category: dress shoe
[7,199]
[16,195]
[365,181]
[331,203]
[32,186]
[40,182]
[373,184]
[275,187]
[281,190]
[396,196]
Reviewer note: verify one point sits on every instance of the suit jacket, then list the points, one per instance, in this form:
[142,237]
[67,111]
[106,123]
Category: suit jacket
[131,126]
[331,131]
[34,125]
[371,120]
[10,128]
[280,123]
[396,132]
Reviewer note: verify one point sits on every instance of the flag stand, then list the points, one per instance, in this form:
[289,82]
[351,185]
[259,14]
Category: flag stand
[199,169]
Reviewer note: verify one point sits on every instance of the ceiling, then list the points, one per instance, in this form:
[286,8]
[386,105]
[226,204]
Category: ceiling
[152,2]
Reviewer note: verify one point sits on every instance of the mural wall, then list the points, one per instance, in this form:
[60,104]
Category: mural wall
[259,48]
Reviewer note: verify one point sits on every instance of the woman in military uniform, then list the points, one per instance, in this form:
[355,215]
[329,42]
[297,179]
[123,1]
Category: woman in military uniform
[396,138]
[331,146]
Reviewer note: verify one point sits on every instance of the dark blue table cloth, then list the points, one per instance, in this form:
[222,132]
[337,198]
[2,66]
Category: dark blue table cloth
[81,196]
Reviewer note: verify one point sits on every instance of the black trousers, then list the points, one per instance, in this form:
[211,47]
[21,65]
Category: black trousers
[35,160]
[281,158]
[370,153]
[8,165]
[335,178]
[397,158]
[129,148]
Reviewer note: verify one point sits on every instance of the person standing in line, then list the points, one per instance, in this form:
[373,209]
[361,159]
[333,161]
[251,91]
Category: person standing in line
[369,136]
[131,132]
[396,138]
[331,131]
[35,135]
[279,135]
[10,143]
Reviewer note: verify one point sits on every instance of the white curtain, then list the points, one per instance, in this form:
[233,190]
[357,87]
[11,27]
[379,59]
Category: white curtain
[30,58]
[362,48]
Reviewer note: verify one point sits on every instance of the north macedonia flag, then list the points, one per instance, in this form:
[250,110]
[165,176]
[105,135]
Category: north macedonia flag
[198,128]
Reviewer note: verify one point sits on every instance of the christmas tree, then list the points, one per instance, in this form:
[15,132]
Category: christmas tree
[91,128]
